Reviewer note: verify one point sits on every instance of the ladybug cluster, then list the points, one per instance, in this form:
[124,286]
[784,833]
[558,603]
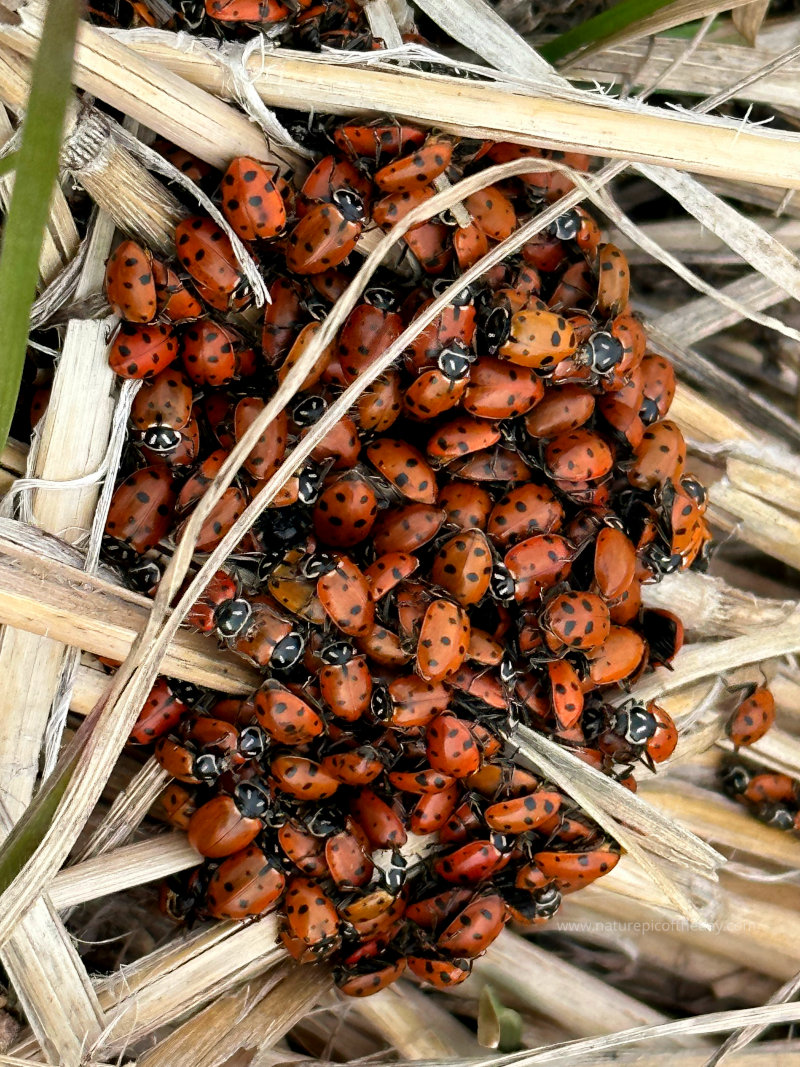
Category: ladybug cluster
[464,551]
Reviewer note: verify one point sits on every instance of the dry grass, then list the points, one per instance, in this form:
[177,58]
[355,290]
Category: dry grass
[226,990]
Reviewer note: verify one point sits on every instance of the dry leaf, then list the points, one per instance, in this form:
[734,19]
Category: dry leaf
[748,19]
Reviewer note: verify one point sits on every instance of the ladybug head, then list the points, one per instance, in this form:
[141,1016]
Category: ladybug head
[461,298]
[695,490]
[287,652]
[735,780]
[501,584]
[316,307]
[593,721]
[661,559]
[392,875]
[496,327]
[778,816]
[649,412]
[309,483]
[144,575]
[602,352]
[635,724]
[547,900]
[268,562]
[187,692]
[454,360]
[349,203]
[309,410]
[232,617]
[252,799]
[337,653]
[119,552]
[508,670]
[381,297]
[161,439]
[316,565]
[252,742]
[207,767]
[381,705]
[567,226]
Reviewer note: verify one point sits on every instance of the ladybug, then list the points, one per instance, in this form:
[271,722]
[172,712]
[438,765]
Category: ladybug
[347,856]
[421,782]
[474,862]
[368,977]
[301,778]
[141,351]
[380,822]
[407,529]
[663,632]
[195,486]
[658,387]
[268,451]
[523,512]
[622,657]
[329,175]
[564,408]
[538,564]
[177,805]
[381,403]
[208,353]
[174,300]
[459,437]
[161,713]
[500,390]
[256,11]
[161,408]
[414,701]
[493,212]
[614,563]
[469,244]
[344,594]
[246,883]
[431,394]
[538,339]
[345,682]
[227,510]
[370,329]
[251,200]
[662,744]
[439,972]
[613,280]
[405,468]
[463,566]
[451,747]
[752,718]
[660,457]
[305,850]
[575,621]
[443,640]
[574,870]
[474,928]
[358,766]
[205,252]
[388,571]
[408,173]
[283,319]
[226,824]
[129,283]
[466,505]
[141,509]
[327,235]
[286,718]
[259,633]
[311,916]
[377,138]
[579,456]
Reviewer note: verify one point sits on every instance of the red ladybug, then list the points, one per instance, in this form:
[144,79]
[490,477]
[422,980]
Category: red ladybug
[251,200]
[161,408]
[175,302]
[130,286]
[161,713]
[246,883]
[208,353]
[311,916]
[347,855]
[406,529]
[141,508]
[574,870]
[256,11]
[411,172]
[576,621]
[467,505]
[376,138]
[471,864]
[358,766]
[463,566]
[523,512]
[451,747]
[614,280]
[538,564]
[369,977]
[141,351]
[286,718]
[205,251]
[345,682]
[474,928]
[305,850]
[404,467]
[227,824]
[752,718]
[370,329]
[380,823]
[443,640]
[439,972]
[327,235]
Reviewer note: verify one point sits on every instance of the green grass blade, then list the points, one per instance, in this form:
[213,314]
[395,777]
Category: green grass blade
[595,30]
[37,170]
[8,163]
